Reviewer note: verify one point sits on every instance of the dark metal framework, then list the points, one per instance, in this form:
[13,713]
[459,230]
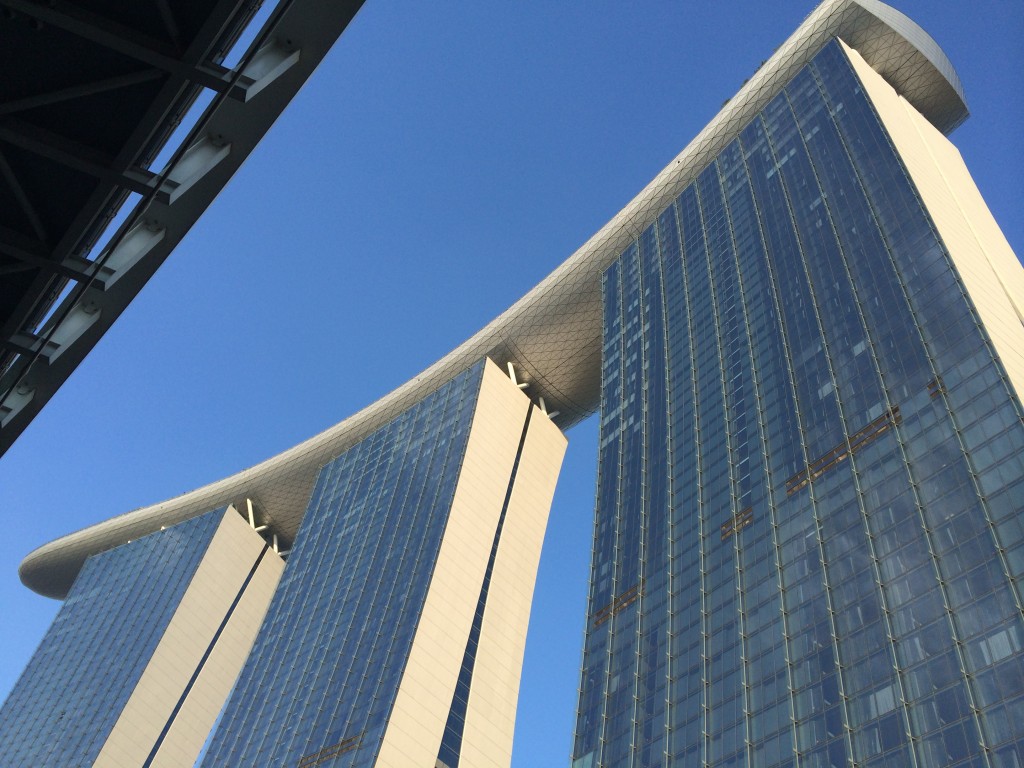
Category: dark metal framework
[92,94]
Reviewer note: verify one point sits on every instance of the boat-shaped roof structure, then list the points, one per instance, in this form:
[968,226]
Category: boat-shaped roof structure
[551,336]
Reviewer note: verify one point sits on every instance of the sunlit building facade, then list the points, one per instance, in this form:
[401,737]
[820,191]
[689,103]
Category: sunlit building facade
[149,641]
[808,545]
[397,633]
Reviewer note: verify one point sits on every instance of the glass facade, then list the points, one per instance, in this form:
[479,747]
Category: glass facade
[807,548]
[323,675]
[66,702]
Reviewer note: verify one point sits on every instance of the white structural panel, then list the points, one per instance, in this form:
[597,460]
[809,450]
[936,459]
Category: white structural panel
[168,716]
[984,259]
[416,724]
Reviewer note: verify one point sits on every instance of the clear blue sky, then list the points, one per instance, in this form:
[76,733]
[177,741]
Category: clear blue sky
[443,159]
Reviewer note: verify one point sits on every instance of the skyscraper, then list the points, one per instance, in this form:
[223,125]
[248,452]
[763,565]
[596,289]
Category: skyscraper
[146,646]
[808,546]
[398,632]
[640,483]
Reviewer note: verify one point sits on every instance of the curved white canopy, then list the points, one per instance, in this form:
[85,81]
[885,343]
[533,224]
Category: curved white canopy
[553,334]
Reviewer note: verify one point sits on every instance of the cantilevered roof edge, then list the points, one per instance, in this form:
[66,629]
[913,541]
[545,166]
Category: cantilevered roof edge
[553,334]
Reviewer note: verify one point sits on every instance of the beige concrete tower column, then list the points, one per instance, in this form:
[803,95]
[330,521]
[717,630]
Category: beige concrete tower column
[188,677]
[494,691]
[990,271]
[497,438]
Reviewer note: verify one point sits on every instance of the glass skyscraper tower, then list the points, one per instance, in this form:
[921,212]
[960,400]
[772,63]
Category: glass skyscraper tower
[389,639]
[808,547]
[136,665]
[806,341]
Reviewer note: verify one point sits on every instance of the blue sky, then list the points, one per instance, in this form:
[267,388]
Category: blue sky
[443,159]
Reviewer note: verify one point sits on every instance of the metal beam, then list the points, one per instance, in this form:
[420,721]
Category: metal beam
[121,39]
[22,247]
[279,73]
[71,153]
[79,91]
[34,255]
[170,24]
[19,194]
[13,269]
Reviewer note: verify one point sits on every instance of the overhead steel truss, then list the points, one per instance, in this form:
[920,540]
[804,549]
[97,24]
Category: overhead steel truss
[91,95]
